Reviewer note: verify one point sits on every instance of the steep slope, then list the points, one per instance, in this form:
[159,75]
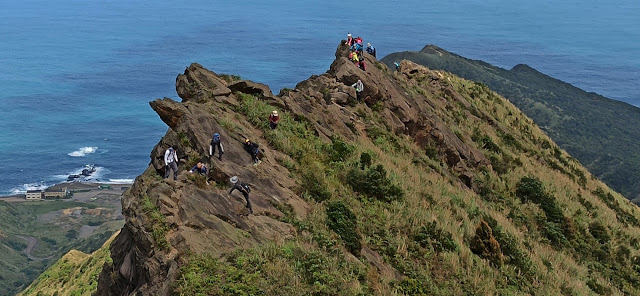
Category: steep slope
[76,273]
[433,185]
[601,133]
[34,234]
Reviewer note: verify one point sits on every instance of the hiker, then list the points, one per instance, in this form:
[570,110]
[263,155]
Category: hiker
[354,57]
[200,168]
[360,47]
[349,39]
[356,47]
[253,149]
[371,50]
[170,163]
[215,142]
[397,66]
[244,188]
[359,88]
[273,119]
[361,64]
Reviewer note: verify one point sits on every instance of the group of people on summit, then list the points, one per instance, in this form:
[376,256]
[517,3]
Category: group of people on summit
[356,51]
[171,160]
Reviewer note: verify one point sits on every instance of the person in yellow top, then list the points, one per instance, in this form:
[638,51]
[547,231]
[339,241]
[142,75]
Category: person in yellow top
[354,58]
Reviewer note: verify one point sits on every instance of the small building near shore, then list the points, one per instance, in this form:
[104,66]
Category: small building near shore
[55,193]
[34,194]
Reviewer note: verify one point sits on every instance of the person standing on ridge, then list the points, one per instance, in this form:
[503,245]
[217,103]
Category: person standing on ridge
[359,88]
[170,163]
[273,119]
[253,149]
[244,188]
[397,66]
[215,142]
[349,39]
[371,50]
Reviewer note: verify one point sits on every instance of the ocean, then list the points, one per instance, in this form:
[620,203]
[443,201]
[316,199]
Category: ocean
[76,76]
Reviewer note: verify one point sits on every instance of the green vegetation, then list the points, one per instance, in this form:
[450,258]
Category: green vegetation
[601,133]
[42,221]
[75,274]
[525,225]
[158,226]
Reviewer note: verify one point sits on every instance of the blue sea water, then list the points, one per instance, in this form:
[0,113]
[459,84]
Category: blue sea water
[76,76]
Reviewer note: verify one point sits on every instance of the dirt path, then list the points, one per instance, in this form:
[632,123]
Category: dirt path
[32,243]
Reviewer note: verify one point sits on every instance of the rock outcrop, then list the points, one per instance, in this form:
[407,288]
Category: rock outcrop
[209,220]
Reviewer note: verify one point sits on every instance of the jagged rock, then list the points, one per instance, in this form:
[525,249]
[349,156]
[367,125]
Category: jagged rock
[200,84]
[252,88]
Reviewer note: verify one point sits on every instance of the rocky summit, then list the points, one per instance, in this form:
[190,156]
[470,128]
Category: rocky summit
[430,185]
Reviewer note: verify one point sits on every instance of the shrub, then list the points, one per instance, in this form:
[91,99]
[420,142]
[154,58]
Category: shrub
[599,232]
[158,226]
[530,189]
[553,232]
[339,150]
[315,186]
[342,221]
[440,240]
[411,286]
[485,245]
[365,160]
[373,182]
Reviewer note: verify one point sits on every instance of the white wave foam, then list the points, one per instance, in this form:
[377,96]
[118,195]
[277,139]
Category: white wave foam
[83,151]
[22,189]
[120,181]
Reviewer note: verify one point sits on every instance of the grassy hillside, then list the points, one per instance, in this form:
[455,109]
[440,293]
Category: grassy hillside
[55,227]
[602,134]
[76,274]
[534,222]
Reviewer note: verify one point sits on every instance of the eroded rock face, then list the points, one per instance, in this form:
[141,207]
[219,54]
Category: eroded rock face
[208,219]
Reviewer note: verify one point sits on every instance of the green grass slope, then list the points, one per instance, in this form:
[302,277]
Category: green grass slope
[54,233]
[76,274]
[603,134]
[390,218]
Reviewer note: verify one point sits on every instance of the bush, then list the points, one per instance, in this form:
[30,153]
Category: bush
[373,182]
[315,186]
[342,221]
[413,286]
[599,232]
[530,189]
[339,150]
[440,240]
[485,245]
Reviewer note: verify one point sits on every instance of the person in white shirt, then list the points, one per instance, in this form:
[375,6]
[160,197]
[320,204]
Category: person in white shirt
[171,163]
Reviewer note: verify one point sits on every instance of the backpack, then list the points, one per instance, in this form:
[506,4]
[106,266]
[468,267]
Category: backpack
[215,139]
[246,187]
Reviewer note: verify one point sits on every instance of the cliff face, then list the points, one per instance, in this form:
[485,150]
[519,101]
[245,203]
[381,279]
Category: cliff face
[420,111]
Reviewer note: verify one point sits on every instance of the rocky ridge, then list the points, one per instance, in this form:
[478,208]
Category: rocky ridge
[167,221]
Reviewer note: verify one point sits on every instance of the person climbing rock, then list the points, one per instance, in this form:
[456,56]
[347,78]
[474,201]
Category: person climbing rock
[371,50]
[253,149]
[349,39]
[244,188]
[354,57]
[171,163]
[359,88]
[200,168]
[361,64]
[215,142]
[397,66]
[273,119]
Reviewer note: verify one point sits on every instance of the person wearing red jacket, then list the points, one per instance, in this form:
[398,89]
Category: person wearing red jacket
[273,119]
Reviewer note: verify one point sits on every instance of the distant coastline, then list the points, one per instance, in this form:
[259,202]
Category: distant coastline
[71,187]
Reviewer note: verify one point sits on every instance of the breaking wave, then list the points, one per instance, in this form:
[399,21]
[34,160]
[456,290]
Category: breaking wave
[83,151]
